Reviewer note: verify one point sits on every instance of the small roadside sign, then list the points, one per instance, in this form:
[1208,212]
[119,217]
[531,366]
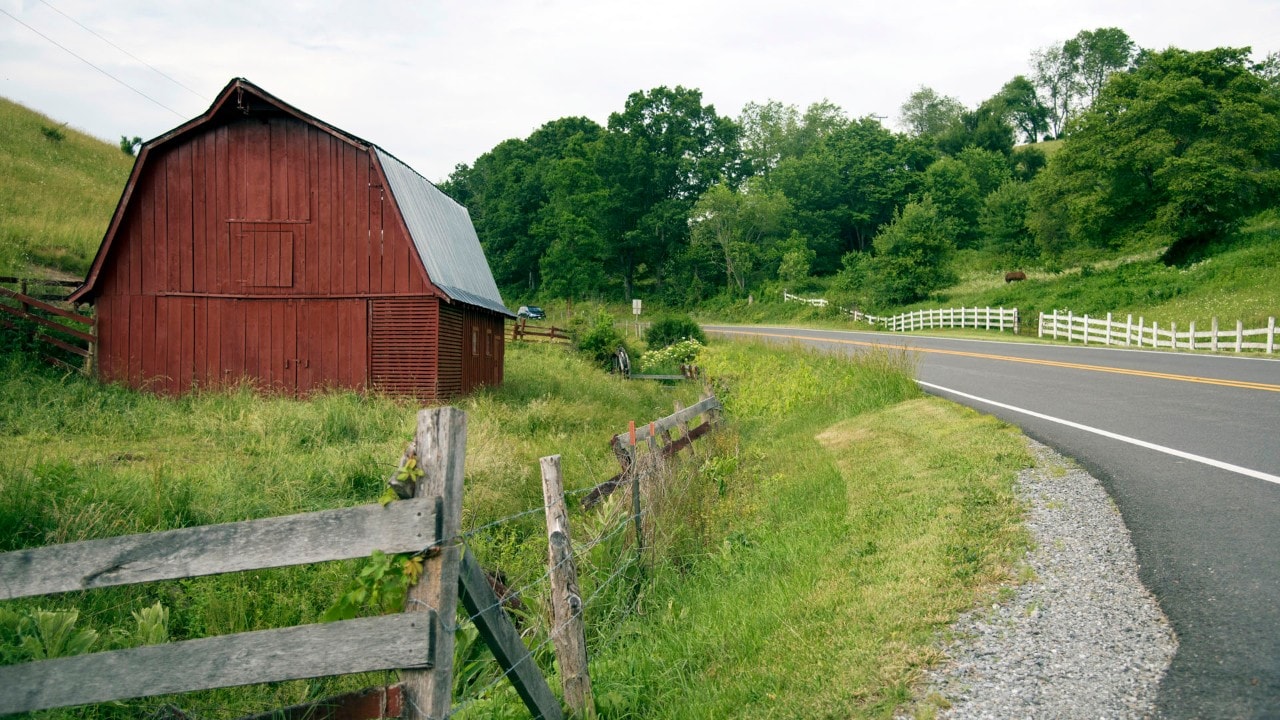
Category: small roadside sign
[635,306]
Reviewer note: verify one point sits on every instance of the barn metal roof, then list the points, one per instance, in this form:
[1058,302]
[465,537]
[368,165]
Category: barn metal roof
[446,240]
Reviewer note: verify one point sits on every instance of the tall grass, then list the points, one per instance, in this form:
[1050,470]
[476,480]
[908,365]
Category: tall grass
[79,460]
[56,195]
[798,563]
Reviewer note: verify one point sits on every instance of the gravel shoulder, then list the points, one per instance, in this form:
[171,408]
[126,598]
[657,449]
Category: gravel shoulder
[1079,638]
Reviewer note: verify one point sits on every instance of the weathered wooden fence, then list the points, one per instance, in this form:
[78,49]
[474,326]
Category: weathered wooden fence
[1106,331]
[983,318]
[418,641]
[66,338]
[520,330]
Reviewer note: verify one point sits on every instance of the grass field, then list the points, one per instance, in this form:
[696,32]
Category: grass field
[801,562]
[59,190]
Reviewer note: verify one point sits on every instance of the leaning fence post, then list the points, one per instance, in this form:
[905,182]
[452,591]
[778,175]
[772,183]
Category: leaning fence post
[440,445]
[567,632]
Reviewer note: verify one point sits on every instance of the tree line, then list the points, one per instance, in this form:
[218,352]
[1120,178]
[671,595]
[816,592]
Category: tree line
[673,201]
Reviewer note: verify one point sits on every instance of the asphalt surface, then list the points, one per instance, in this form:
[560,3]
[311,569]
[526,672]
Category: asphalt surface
[1188,446]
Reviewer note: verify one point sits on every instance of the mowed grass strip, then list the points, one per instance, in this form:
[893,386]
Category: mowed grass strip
[872,533]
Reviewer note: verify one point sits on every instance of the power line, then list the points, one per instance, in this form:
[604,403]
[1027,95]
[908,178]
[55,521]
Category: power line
[126,52]
[95,67]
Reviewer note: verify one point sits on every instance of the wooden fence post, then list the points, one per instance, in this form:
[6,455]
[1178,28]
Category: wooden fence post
[1271,334]
[1191,340]
[1128,330]
[1239,335]
[440,445]
[1213,338]
[1108,336]
[567,632]
[635,490]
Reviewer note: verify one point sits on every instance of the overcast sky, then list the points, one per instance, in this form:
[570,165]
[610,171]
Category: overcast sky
[438,83]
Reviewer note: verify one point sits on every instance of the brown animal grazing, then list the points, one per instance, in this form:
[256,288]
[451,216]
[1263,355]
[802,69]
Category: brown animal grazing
[1014,276]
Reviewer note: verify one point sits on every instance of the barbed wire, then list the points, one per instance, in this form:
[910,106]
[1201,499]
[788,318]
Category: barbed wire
[478,695]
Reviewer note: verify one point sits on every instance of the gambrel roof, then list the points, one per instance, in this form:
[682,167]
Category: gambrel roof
[443,236]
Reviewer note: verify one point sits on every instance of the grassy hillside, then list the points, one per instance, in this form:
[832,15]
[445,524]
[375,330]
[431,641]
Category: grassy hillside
[58,188]
[1238,278]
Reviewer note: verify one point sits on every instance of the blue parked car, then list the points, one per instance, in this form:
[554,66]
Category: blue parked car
[533,312]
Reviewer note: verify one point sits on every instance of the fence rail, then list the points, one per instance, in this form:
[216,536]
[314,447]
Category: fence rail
[520,330]
[68,336]
[1107,331]
[418,641]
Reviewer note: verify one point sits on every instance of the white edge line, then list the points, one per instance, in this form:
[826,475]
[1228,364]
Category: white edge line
[1114,436]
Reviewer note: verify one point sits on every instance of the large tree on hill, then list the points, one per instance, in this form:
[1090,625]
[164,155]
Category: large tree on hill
[848,185]
[1023,108]
[1101,52]
[927,114]
[660,154]
[1181,147]
[506,188]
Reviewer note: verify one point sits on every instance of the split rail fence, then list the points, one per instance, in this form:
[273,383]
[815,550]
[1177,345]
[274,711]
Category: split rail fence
[66,338]
[1106,331]
[520,330]
[419,641]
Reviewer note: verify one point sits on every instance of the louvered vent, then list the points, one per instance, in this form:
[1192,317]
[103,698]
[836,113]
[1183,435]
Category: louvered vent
[450,351]
[402,346]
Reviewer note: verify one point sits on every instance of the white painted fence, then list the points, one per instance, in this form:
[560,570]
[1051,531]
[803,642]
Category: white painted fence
[1082,328]
[983,318]
[816,302]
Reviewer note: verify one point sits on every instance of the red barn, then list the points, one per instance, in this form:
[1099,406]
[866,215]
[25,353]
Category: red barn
[256,241]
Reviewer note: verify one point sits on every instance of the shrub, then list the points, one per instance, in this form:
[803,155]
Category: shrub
[597,338]
[672,329]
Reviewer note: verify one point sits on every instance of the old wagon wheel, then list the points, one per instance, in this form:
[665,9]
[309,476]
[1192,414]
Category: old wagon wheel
[622,362]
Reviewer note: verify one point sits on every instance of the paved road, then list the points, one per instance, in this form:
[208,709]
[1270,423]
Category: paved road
[1189,448]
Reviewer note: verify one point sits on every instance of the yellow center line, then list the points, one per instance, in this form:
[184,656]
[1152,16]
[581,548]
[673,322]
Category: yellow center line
[1029,361]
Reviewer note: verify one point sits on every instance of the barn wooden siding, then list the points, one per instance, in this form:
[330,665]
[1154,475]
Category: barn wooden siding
[269,249]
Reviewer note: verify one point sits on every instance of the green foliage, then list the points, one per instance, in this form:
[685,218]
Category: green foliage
[670,329]
[129,145]
[596,337]
[379,588]
[957,198]
[797,261]
[927,114]
[1181,148]
[1003,223]
[913,256]
[54,134]
[48,634]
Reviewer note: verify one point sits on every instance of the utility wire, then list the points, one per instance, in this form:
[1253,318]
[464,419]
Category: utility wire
[126,52]
[95,67]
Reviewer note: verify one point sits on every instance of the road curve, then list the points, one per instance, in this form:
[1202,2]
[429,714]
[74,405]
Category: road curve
[1188,446]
